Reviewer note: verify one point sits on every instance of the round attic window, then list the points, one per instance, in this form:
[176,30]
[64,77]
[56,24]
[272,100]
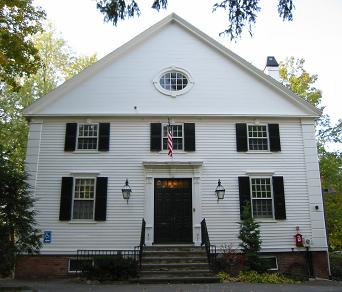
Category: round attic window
[173,81]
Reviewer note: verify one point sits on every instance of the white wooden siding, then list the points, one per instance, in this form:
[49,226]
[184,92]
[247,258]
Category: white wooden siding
[124,86]
[130,146]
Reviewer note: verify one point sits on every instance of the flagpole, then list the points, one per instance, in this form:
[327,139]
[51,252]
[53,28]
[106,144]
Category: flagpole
[169,139]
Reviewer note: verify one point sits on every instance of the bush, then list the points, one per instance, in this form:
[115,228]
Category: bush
[255,277]
[336,266]
[110,268]
[230,261]
[250,240]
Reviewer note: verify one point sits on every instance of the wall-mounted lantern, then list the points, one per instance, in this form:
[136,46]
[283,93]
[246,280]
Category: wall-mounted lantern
[220,191]
[126,191]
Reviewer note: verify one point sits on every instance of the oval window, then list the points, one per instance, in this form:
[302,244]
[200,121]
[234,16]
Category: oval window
[173,81]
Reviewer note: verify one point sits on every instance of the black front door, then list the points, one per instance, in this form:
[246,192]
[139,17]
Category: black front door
[172,210]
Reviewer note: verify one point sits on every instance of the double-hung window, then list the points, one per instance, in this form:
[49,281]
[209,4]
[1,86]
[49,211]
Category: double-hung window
[84,198]
[261,197]
[258,137]
[177,134]
[87,138]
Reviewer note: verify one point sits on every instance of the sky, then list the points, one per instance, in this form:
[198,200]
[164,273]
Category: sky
[314,34]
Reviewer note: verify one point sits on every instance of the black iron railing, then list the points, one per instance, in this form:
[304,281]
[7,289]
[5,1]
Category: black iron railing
[210,249]
[89,255]
[86,257]
[140,248]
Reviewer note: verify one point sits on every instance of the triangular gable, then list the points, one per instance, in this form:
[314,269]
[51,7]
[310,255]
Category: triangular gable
[39,108]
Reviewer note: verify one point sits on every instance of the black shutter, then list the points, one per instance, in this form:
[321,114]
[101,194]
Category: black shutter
[189,137]
[104,133]
[66,198]
[70,137]
[244,192]
[101,199]
[273,132]
[279,197]
[155,144]
[241,137]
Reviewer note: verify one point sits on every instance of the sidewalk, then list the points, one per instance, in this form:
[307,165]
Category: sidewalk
[77,286]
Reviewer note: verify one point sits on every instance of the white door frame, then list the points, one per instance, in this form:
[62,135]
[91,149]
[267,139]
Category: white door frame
[172,169]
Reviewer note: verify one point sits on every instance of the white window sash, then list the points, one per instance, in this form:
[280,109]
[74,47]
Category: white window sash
[251,194]
[178,137]
[78,136]
[267,137]
[80,199]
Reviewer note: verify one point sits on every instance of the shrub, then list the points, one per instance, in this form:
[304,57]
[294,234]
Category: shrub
[250,240]
[230,261]
[255,277]
[336,266]
[110,268]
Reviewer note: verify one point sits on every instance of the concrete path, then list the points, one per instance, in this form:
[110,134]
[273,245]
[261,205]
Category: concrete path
[76,286]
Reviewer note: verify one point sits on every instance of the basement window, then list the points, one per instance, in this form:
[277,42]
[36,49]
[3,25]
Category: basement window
[76,265]
[270,262]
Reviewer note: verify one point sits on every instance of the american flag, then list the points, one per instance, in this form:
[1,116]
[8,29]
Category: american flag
[169,140]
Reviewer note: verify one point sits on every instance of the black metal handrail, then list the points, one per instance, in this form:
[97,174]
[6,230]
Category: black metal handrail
[89,256]
[135,254]
[210,249]
[142,241]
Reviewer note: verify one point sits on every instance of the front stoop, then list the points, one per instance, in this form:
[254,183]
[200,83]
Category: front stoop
[175,264]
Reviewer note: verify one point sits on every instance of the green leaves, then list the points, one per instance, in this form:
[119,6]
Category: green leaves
[17,223]
[295,77]
[240,13]
[333,214]
[19,21]
[250,239]
[114,10]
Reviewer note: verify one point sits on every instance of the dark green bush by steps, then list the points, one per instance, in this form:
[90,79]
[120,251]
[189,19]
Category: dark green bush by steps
[110,268]
[336,266]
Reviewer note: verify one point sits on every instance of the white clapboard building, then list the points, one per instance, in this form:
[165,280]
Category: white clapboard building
[230,122]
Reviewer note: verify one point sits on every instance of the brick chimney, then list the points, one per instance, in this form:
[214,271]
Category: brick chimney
[272,68]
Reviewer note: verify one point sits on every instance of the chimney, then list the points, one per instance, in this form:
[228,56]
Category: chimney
[272,68]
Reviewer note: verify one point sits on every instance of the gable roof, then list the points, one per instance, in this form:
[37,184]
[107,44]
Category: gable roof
[45,101]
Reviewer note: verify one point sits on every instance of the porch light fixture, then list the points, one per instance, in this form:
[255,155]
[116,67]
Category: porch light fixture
[220,191]
[126,191]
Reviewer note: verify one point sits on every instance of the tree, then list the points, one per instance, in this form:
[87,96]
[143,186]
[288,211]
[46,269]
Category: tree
[58,63]
[239,12]
[250,239]
[19,21]
[295,77]
[17,224]
[333,212]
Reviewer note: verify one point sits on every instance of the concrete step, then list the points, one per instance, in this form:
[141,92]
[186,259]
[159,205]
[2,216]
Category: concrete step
[174,266]
[178,247]
[172,273]
[167,259]
[174,253]
[177,279]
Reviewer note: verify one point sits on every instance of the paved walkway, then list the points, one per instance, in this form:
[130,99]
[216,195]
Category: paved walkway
[75,286]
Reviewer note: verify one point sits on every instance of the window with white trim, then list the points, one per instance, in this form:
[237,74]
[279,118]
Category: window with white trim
[173,81]
[87,136]
[177,134]
[84,198]
[261,197]
[270,262]
[257,137]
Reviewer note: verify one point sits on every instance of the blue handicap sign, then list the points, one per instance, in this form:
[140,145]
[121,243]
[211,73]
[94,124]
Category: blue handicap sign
[47,236]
